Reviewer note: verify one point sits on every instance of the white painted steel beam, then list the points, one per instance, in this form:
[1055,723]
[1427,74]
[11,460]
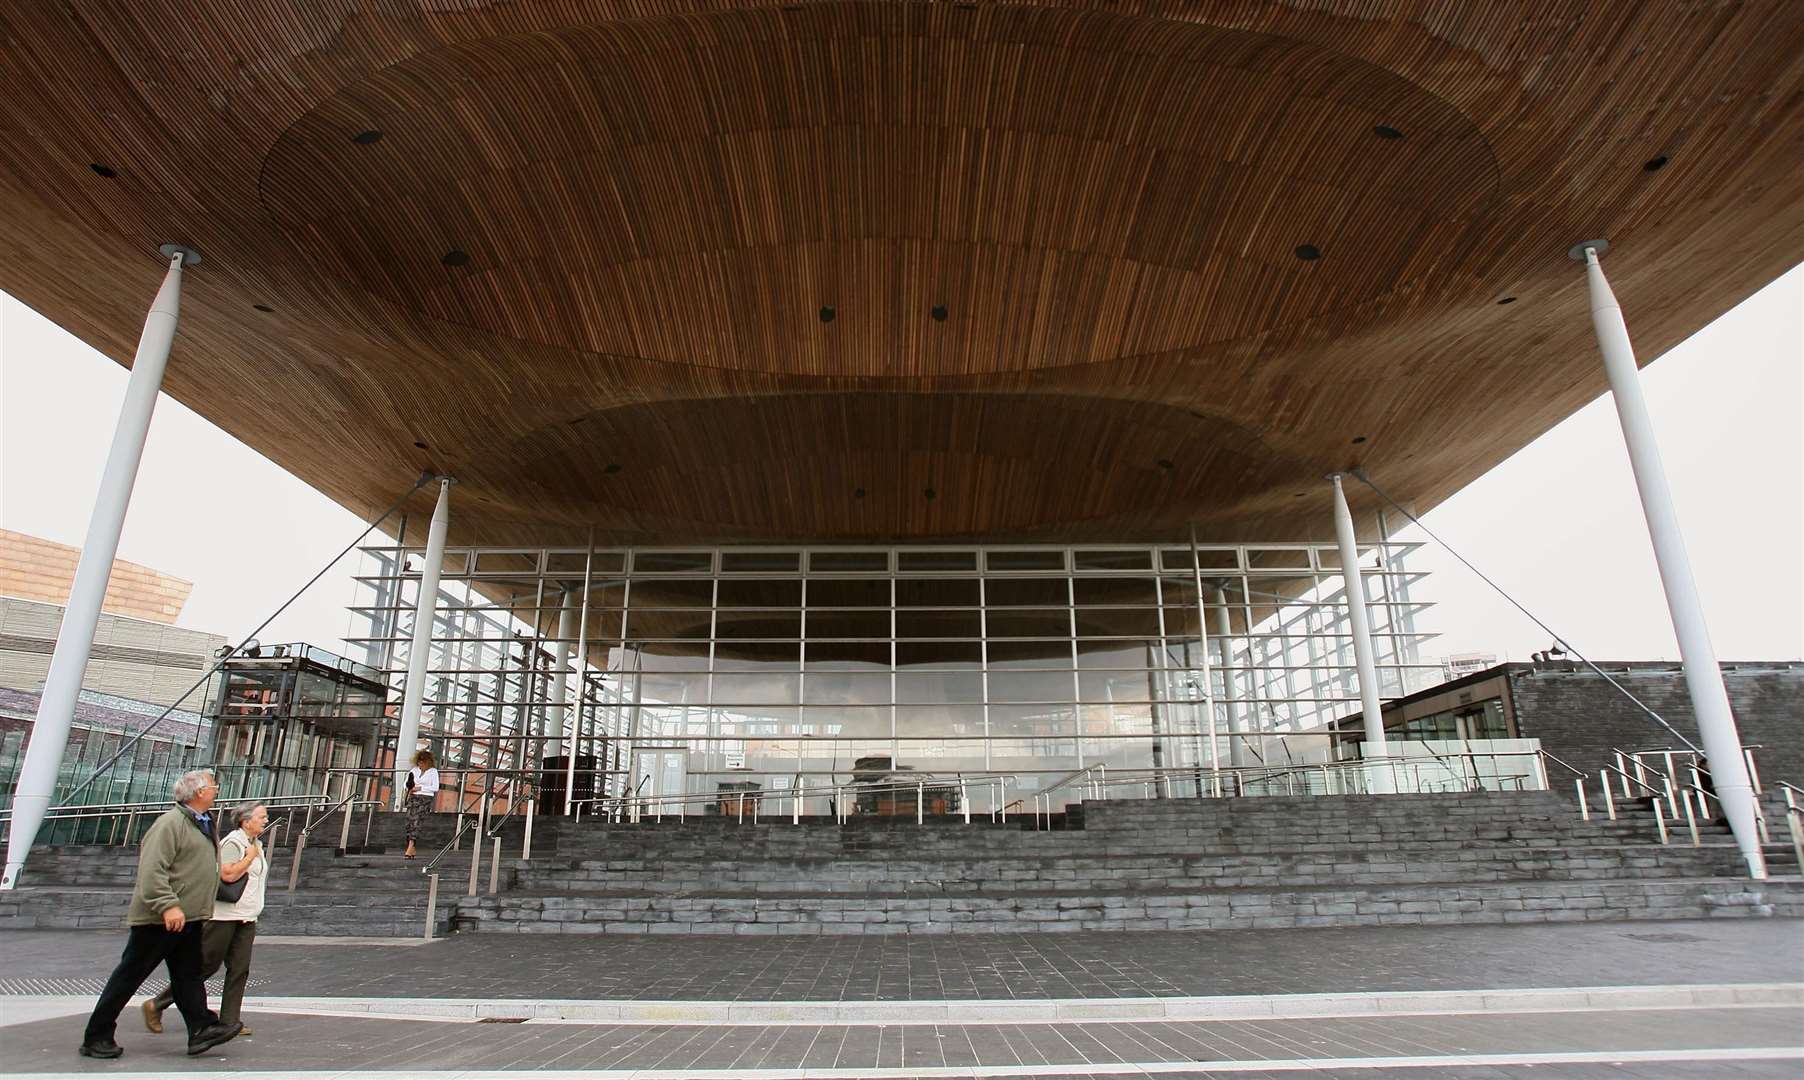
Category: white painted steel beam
[81,616]
[1703,676]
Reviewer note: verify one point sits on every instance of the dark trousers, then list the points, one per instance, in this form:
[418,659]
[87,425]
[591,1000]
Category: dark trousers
[145,948]
[228,942]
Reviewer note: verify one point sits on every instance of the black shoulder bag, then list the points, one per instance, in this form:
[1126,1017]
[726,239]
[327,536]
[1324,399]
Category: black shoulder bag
[231,892]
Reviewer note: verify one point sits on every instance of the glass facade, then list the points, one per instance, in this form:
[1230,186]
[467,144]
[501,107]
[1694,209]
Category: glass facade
[765,665]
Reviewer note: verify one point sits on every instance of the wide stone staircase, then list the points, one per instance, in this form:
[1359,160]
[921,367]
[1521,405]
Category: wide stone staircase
[1133,864]
[369,891]
[1103,865]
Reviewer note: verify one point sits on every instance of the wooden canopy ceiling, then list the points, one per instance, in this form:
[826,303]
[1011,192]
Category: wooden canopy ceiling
[689,271]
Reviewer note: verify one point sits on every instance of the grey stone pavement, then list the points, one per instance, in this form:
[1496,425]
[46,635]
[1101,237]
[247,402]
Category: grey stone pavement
[1647,1039]
[989,967]
[64,968]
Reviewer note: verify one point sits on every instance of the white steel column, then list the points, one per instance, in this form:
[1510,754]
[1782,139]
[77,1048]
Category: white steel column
[75,637]
[1379,779]
[1703,677]
[1224,631]
[560,682]
[425,615]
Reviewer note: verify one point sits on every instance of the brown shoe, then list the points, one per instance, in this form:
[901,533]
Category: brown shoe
[153,1016]
[244,1033]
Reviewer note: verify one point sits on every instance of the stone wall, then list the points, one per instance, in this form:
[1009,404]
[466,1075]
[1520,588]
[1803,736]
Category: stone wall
[1581,718]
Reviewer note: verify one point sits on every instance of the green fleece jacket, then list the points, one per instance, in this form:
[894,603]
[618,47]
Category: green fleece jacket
[177,867]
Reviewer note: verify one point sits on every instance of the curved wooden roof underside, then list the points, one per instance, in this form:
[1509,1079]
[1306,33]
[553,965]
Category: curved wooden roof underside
[654,201]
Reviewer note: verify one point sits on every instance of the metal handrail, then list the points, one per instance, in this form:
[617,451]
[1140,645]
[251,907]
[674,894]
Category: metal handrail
[1568,766]
[76,811]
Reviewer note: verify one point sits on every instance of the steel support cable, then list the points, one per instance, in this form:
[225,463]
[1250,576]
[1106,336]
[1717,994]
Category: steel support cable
[1558,640]
[248,638]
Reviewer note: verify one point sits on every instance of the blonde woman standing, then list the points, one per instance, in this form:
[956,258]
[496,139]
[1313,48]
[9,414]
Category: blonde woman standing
[232,931]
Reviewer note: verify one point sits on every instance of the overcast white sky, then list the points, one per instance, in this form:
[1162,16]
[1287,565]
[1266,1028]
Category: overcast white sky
[1558,524]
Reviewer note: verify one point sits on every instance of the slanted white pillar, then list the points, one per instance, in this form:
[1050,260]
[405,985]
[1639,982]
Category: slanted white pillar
[425,614]
[1378,778]
[75,637]
[1703,677]
[560,682]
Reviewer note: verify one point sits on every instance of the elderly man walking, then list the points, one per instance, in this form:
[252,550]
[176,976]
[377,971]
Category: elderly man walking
[178,876]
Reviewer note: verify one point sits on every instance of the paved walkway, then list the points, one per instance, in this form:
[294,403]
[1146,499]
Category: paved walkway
[1680,1000]
[1649,1039]
[989,967]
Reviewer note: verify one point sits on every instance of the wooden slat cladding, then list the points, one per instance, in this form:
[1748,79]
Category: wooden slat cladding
[653,201]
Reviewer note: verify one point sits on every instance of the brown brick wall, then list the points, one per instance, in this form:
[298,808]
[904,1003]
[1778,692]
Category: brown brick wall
[34,569]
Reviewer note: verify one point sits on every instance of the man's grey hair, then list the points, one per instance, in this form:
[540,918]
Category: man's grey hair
[191,782]
[243,813]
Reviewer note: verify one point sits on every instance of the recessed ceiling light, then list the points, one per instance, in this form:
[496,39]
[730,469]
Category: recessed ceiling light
[1384,131]
[265,308]
[858,493]
[1655,164]
[611,468]
[827,313]
[103,170]
[938,313]
[1308,252]
[1357,439]
[930,493]
[456,257]
[1165,463]
[1507,300]
[578,420]
[367,138]
[1299,495]
[421,446]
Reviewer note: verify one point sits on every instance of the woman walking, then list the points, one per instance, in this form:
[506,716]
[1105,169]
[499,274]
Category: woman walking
[232,931]
[422,793]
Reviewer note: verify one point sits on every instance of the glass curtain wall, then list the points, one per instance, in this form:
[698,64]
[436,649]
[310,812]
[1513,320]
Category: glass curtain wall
[765,665]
